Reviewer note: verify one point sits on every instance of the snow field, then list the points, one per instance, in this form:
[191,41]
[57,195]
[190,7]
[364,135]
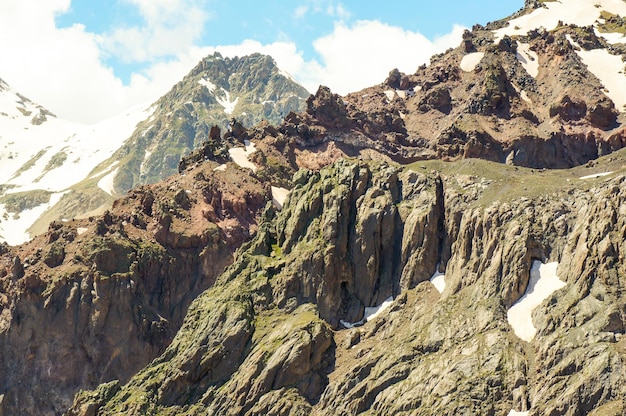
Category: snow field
[13,227]
[240,155]
[543,282]
[278,196]
[471,60]
[84,146]
[438,280]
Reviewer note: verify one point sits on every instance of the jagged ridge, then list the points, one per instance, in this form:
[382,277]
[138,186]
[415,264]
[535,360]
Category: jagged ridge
[266,339]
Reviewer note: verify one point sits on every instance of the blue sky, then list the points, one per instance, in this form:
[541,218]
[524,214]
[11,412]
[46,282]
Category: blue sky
[127,52]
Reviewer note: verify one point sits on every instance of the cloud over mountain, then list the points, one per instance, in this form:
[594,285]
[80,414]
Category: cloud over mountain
[66,69]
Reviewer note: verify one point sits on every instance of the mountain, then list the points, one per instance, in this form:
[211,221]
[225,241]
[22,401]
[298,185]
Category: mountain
[216,92]
[43,157]
[274,334]
[56,170]
[445,242]
[511,93]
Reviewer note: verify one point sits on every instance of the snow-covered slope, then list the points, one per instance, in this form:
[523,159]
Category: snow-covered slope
[607,67]
[578,12]
[38,151]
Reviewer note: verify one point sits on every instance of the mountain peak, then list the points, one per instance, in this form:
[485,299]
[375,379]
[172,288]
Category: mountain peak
[15,106]
[218,89]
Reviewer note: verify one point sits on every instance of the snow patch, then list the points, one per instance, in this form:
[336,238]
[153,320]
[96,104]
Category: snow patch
[286,74]
[523,94]
[609,69]
[278,196]
[516,413]
[529,59]
[371,313]
[578,12]
[13,227]
[391,94]
[81,230]
[438,280]
[543,282]
[106,183]
[220,168]
[107,170]
[208,84]
[612,38]
[595,175]
[471,60]
[241,155]
[229,106]
[142,167]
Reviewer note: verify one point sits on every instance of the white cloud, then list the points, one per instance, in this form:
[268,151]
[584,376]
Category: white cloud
[169,27]
[339,11]
[328,7]
[353,57]
[300,12]
[47,63]
[64,68]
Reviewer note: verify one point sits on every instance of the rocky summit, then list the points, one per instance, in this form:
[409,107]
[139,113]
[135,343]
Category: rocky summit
[446,242]
[217,91]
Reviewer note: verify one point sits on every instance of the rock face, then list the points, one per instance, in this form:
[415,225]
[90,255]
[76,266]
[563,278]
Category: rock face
[267,338]
[96,300]
[196,296]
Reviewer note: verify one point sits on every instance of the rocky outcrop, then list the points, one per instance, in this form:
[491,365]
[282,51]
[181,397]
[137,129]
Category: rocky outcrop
[96,300]
[353,234]
[368,230]
[558,117]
